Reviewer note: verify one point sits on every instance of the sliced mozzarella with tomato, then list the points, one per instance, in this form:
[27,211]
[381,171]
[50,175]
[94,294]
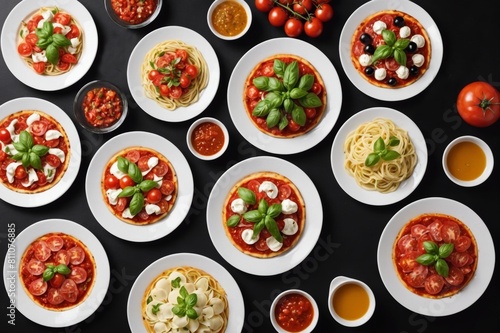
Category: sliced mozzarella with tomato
[269,188]
[112,195]
[64,28]
[152,209]
[32,177]
[152,162]
[32,118]
[273,244]
[52,134]
[247,236]
[58,152]
[115,171]
[11,170]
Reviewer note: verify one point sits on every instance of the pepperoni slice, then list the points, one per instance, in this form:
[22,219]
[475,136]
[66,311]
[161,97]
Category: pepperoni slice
[450,231]
[417,277]
[54,296]
[76,255]
[167,187]
[455,276]
[161,169]
[435,230]
[55,243]
[462,243]
[407,244]
[39,128]
[42,250]
[418,230]
[62,257]
[434,284]
[407,261]
[69,290]
[78,274]
[142,163]
[284,191]
[358,48]
[133,156]
[37,287]
[35,267]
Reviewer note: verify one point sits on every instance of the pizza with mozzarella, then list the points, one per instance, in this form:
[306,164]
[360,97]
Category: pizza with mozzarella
[139,185]
[264,214]
[391,49]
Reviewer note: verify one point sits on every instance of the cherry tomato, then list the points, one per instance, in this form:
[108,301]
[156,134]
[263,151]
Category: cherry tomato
[252,92]
[294,127]
[310,112]
[53,160]
[121,204]
[175,92]
[5,135]
[57,280]
[154,196]
[303,6]
[286,2]
[63,66]
[38,128]
[62,18]
[324,12]
[313,27]
[153,74]
[24,49]
[69,58]
[164,90]
[31,39]
[181,54]
[264,5]
[184,81]
[277,16]
[20,172]
[293,27]
[316,88]
[478,104]
[191,71]
[33,23]
[126,181]
[74,32]
[39,67]
[42,179]
[111,182]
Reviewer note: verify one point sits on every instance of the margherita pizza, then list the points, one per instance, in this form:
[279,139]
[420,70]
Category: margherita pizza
[139,185]
[284,96]
[35,151]
[264,214]
[57,271]
[435,255]
[391,49]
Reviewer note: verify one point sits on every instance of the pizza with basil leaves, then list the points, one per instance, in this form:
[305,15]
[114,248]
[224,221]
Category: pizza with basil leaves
[264,214]
[391,49]
[139,185]
[284,96]
[35,151]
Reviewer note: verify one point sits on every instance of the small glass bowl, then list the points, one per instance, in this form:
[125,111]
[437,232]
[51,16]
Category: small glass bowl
[189,135]
[211,25]
[80,114]
[272,313]
[487,169]
[124,24]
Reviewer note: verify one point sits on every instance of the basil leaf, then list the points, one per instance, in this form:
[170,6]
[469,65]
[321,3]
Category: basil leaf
[149,300]
[135,173]
[275,99]
[297,93]
[273,118]
[26,139]
[279,68]
[176,283]
[60,40]
[20,147]
[178,311]
[381,52]
[35,161]
[123,164]
[291,75]
[147,185]
[127,192]
[40,33]
[257,228]
[263,206]
[233,220]
[310,100]
[402,43]
[17,156]
[183,292]
[247,195]
[155,308]
[430,247]
[379,145]
[25,160]
[274,210]
[48,28]
[283,123]
[306,82]
[48,274]
[425,259]
[43,42]
[393,141]
[191,300]
[62,269]
[275,84]
[136,203]
[253,216]
[288,104]
[299,116]
[400,57]
[40,150]
[442,267]
[52,54]
[389,37]
[261,83]
[445,250]
[273,228]
[262,108]
[191,313]
[372,159]
[390,155]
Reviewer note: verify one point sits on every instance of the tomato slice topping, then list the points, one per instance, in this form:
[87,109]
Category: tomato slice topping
[76,255]
[69,290]
[78,274]
[54,296]
[42,250]
[434,284]
[62,257]
[55,243]
[35,267]
[37,287]
[450,231]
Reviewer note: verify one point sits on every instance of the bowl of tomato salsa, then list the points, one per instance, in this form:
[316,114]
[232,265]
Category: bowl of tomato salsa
[294,310]
[133,14]
[207,138]
[100,107]
[229,19]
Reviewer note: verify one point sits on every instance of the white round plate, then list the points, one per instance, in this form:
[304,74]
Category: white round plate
[25,304]
[390,94]
[134,76]
[478,283]
[27,75]
[56,191]
[347,182]
[290,258]
[233,292]
[236,87]
[124,230]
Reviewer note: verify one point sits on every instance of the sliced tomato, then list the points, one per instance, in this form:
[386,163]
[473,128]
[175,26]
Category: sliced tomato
[62,257]
[435,230]
[462,243]
[41,250]
[20,172]
[35,267]
[69,290]
[62,18]
[407,261]
[284,192]
[142,215]
[69,58]
[418,230]
[52,143]
[24,49]
[76,255]
[417,277]
[42,178]
[407,243]
[54,296]
[459,259]
[163,206]
[121,204]
[450,231]
[434,284]
[39,67]
[143,162]
[133,156]
[421,240]
[33,23]
[78,274]
[53,160]
[31,39]
[253,186]
[167,187]
[63,66]
[37,287]
[55,243]
[160,169]
[455,276]
[391,64]
[261,245]
[74,32]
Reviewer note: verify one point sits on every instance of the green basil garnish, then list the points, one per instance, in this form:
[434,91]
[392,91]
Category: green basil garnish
[435,256]
[247,195]
[51,271]
[51,42]
[28,153]
[380,151]
[185,304]
[393,47]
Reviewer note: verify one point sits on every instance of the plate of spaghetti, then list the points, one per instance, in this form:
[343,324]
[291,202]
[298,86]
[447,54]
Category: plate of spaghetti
[173,73]
[211,300]
[379,156]
[50,47]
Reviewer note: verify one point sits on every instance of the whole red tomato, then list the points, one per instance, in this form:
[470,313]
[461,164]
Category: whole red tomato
[313,27]
[478,104]
[293,27]
[264,5]
[277,16]
[324,12]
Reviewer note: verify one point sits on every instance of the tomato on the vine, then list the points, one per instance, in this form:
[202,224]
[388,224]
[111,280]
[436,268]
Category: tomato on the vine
[324,12]
[313,27]
[478,104]
[293,27]
[302,7]
[264,5]
[277,16]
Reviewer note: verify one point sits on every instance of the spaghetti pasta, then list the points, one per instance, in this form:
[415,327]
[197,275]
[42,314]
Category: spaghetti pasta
[169,59]
[384,176]
[206,311]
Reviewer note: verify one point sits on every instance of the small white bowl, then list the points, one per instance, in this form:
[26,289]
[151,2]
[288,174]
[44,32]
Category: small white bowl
[226,37]
[340,281]
[489,161]
[315,318]
[189,135]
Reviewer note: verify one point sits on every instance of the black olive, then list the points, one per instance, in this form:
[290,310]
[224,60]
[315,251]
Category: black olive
[399,21]
[365,39]
[369,71]
[392,82]
[414,70]
[412,47]
[369,49]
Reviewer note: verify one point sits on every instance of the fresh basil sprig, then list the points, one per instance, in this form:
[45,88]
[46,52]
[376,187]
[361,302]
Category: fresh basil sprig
[381,151]
[51,270]
[51,42]
[287,94]
[137,191]
[435,256]
[185,304]
[27,152]
[392,47]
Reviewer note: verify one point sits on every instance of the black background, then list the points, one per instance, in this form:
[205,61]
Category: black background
[351,230]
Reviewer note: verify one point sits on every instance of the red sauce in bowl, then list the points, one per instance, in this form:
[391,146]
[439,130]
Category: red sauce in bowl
[102,107]
[207,138]
[134,11]
[294,312]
